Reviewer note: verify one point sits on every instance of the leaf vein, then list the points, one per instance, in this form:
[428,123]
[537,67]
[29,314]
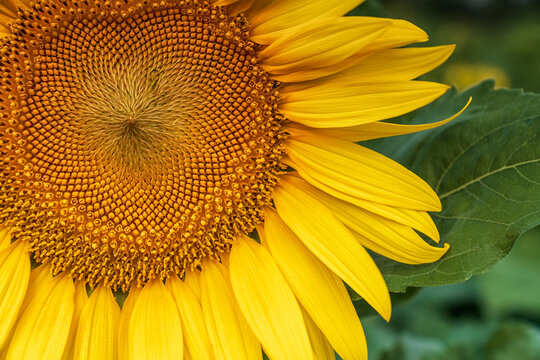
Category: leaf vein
[451,164]
[470,218]
[527,178]
[504,168]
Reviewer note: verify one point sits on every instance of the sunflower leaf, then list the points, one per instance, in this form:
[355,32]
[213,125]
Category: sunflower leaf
[485,166]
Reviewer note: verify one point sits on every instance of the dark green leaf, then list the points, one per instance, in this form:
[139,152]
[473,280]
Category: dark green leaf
[512,287]
[485,166]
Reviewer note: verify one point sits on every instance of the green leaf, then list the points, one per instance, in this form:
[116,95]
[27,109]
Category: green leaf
[518,272]
[485,166]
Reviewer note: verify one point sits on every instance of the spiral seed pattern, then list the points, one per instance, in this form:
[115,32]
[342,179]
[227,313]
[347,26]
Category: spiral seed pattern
[137,137]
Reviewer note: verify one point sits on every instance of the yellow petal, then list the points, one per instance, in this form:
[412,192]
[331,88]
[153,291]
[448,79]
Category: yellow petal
[360,172]
[43,328]
[329,105]
[38,277]
[386,66]
[419,220]
[193,281]
[81,298]
[272,19]
[223,2]
[267,302]
[14,277]
[317,45]
[5,237]
[9,8]
[395,65]
[5,19]
[195,334]
[400,33]
[321,39]
[320,345]
[407,249]
[368,131]
[331,242]
[319,290]
[231,337]
[97,333]
[123,326]
[315,73]
[239,7]
[24,3]
[155,330]
[377,233]
[257,7]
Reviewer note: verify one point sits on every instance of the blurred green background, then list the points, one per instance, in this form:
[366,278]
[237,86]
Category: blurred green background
[495,315]
[497,39]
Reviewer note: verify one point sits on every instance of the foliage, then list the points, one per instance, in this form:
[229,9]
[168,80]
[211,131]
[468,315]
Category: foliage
[485,166]
[456,322]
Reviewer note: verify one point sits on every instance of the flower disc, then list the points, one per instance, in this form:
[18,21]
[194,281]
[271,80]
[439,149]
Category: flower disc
[137,137]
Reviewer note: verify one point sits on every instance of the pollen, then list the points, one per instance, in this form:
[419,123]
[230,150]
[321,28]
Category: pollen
[137,137]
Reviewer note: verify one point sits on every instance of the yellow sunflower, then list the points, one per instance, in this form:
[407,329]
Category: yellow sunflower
[145,144]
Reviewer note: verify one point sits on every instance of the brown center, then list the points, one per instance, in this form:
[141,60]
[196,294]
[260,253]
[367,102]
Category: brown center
[136,137]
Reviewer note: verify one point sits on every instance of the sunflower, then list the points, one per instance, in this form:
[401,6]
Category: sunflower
[200,157]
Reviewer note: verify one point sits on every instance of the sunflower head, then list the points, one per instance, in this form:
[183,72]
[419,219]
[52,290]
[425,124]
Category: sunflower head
[141,137]
[142,141]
